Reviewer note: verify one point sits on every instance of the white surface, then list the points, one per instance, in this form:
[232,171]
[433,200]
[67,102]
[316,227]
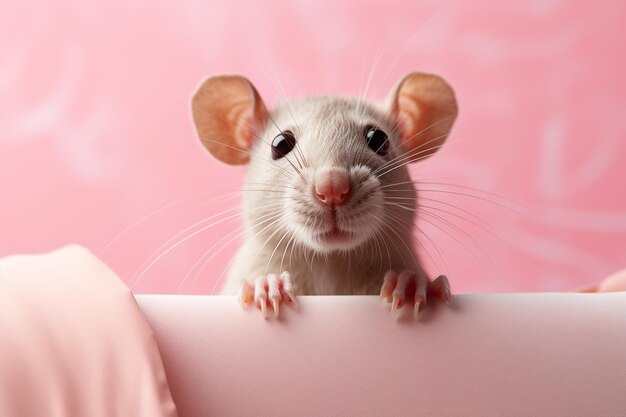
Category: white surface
[487,355]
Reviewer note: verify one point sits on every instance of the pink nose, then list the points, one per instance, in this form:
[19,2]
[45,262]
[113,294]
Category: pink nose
[332,186]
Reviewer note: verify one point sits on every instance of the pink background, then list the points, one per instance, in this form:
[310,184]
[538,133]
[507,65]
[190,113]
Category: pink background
[95,130]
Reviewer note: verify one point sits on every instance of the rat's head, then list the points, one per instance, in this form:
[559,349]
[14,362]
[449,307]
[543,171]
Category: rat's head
[325,172]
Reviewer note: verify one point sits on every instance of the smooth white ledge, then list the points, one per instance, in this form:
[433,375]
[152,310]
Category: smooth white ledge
[485,355]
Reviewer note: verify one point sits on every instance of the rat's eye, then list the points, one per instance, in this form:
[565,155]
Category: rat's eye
[283,144]
[377,140]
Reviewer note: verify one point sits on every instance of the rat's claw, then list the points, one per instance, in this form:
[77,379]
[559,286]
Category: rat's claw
[389,283]
[268,292]
[292,300]
[421,287]
[273,292]
[441,288]
[446,296]
[399,292]
[411,287]
[245,296]
[260,295]
[416,308]
[276,307]
[395,304]
[288,288]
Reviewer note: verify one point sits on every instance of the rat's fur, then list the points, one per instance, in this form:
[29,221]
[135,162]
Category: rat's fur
[287,227]
[329,132]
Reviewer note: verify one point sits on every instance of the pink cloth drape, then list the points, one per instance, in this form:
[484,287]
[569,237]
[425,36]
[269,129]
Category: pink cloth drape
[73,342]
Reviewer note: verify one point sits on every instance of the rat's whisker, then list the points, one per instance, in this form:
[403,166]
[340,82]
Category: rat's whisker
[447,184]
[409,225]
[360,249]
[219,277]
[295,155]
[144,269]
[281,218]
[278,230]
[273,185]
[392,150]
[428,210]
[305,249]
[478,197]
[406,157]
[410,159]
[460,243]
[402,226]
[286,157]
[253,133]
[160,209]
[245,228]
[261,190]
[279,88]
[480,221]
[376,238]
[404,48]
[269,261]
[371,251]
[361,102]
[432,243]
[481,198]
[386,239]
[278,85]
[446,266]
[476,224]
[252,155]
[282,260]
[409,156]
[487,265]
[458,230]
[396,130]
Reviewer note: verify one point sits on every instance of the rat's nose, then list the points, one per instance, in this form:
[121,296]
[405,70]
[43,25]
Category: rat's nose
[332,186]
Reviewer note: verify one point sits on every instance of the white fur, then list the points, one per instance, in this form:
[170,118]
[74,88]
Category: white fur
[329,133]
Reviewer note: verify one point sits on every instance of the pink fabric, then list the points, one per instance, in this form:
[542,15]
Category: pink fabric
[74,343]
[614,282]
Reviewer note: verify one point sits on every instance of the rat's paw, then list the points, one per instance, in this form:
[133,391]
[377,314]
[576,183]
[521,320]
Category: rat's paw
[270,290]
[411,287]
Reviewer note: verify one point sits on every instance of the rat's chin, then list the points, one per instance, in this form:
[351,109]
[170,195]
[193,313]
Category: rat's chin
[335,239]
[335,235]
[326,235]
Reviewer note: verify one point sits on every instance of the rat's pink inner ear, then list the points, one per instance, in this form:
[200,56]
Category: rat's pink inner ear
[424,108]
[228,113]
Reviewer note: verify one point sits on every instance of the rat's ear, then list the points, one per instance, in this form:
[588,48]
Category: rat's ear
[423,107]
[228,113]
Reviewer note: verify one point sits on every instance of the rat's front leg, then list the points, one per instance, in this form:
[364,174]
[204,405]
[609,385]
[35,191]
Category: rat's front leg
[269,290]
[413,287]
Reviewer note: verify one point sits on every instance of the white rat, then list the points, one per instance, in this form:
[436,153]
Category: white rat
[327,193]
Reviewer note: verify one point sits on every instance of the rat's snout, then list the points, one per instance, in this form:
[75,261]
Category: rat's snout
[331,186]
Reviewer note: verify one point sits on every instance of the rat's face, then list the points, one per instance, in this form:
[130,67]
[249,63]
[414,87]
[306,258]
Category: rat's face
[321,168]
[319,159]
